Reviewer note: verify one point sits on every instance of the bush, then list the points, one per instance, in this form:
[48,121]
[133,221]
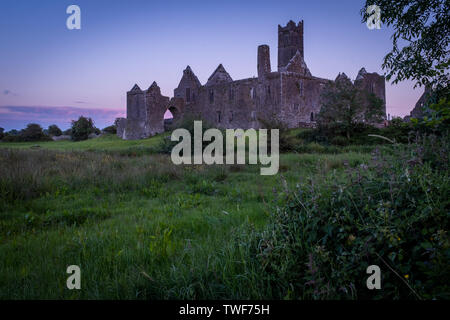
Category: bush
[322,238]
[33,132]
[82,128]
[166,145]
[111,129]
[11,138]
[287,142]
[339,141]
[335,134]
[53,130]
[67,132]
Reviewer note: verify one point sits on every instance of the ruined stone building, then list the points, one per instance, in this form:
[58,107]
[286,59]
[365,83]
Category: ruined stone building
[290,95]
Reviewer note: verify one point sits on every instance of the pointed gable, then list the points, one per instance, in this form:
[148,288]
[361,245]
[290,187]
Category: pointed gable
[135,89]
[361,74]
[220,75]
[343,79]
[297,65]
[154,88]
[189,79]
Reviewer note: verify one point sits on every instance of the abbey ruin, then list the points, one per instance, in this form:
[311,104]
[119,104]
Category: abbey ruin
[291,95]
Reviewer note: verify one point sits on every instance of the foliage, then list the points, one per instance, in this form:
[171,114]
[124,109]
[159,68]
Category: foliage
[392,212]
[33,132]
[53,130]
[420,41]
[335,134]
[82,128]
[345,104]
[187,123]
[287,142]
[110,129]
[143,228]
[2,134]
[437,119]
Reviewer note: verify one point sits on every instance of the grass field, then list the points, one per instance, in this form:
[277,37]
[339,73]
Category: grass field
[137,225]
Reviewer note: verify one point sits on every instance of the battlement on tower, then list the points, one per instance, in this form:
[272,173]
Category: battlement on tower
[290,40]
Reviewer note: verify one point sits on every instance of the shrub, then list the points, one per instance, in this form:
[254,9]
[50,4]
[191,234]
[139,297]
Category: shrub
[339,141]
[11,138]
[322,238]
[110,129]
[287,142]
[82,128]
[33,132]
[166,145]
[53,130]
[347,105]
[401,132]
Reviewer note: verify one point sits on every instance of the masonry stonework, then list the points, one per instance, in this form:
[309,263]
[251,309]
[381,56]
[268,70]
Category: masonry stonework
[290,95]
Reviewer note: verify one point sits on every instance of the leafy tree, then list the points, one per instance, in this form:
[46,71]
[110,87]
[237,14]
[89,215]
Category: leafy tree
[1,133]
[53,130]
[347,105]
[13,132]
[33,132]
[420,42]
[82,128]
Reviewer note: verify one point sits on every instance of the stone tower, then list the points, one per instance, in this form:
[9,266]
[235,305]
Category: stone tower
[135,103]
[263,60]
[290,40]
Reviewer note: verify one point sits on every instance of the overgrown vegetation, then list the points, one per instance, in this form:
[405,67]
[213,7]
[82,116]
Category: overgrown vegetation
[141,227]
[392,212]
[82,128]
[54,130]
[32,132]
[346,106]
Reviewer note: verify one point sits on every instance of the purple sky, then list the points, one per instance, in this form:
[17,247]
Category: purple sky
[49,74]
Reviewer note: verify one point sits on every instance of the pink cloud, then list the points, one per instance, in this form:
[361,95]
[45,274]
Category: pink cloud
[18,116]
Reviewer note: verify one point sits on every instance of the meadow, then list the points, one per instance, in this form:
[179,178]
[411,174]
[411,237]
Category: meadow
[140,227]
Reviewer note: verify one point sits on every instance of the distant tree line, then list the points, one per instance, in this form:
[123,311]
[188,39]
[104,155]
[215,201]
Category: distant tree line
[80,130]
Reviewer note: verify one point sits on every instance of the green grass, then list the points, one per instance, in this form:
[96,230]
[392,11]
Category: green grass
[107,142]
[137,225]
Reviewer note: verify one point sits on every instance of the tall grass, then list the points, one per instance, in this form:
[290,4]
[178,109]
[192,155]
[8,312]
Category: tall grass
[142,228]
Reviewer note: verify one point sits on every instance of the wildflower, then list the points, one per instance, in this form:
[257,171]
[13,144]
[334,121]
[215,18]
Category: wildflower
[406,276]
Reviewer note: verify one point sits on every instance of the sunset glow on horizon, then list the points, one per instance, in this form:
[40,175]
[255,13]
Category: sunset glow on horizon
[50,74]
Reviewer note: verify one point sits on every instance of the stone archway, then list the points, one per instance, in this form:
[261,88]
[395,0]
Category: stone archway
[175,107]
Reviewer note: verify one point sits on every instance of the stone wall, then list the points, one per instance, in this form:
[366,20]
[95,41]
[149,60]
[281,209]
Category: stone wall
[290,40]
[290,96]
